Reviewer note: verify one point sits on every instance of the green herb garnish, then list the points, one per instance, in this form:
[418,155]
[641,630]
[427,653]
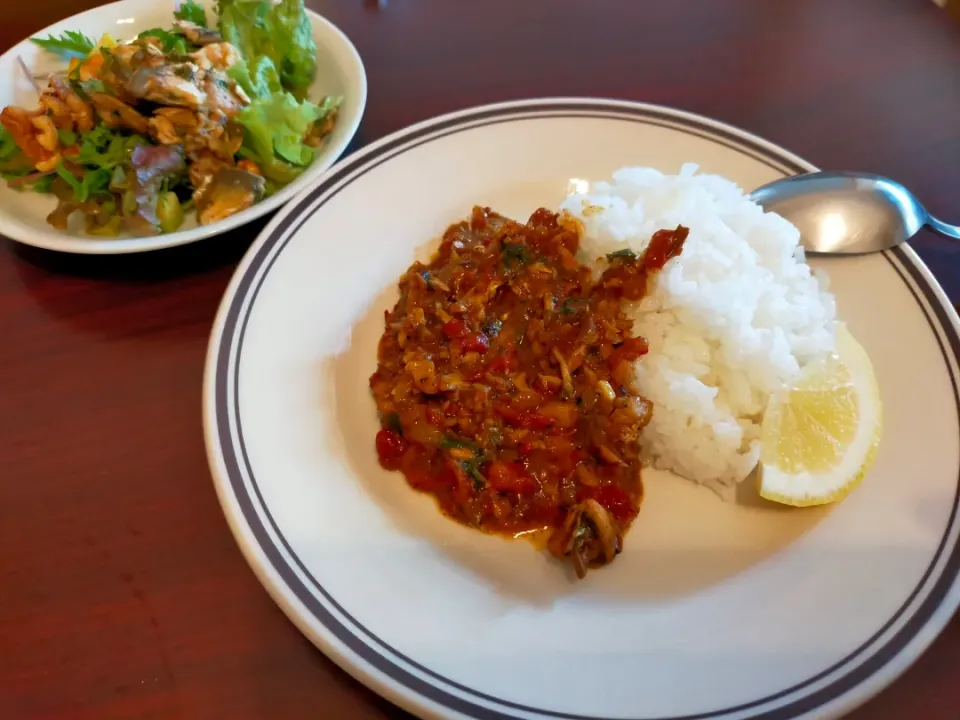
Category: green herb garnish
[96,181]
[493,328]
[43,184]
[71,44]
[572,305]
[449,442]
[71,180]
[192,12]
[170,43]
[17,167]
[105,148]
[67,137]
[472,468]
[392,422]
[87,88]
[92,182]
[515,255]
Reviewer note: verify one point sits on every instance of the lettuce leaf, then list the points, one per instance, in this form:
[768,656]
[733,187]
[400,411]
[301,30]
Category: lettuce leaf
[280,32]
[276,126]
[241,23]
[293,32]
[13,163]
[8,147]
[259,79]
[277,129]
[276,171]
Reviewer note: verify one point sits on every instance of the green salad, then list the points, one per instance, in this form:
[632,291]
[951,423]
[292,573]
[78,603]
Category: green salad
[197,116]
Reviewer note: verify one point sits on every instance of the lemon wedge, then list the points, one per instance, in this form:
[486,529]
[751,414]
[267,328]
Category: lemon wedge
[819,436]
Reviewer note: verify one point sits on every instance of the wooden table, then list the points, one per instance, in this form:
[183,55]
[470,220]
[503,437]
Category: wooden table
[122,594]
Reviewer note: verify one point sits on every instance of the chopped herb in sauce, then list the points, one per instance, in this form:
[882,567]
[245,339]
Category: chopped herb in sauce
[572,305]
[493,328]
[472,468]
[392,422]
[515,255]
[625,254]
[449,442]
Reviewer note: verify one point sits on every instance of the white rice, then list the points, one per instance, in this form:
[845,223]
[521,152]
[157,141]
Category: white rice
[730,320]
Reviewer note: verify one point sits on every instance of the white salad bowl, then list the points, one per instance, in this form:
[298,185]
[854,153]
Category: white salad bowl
[23,214]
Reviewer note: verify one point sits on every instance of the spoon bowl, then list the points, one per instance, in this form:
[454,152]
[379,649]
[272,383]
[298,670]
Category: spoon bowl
[845,213]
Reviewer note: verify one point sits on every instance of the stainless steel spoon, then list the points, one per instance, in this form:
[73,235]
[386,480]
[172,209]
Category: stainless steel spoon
[844,213]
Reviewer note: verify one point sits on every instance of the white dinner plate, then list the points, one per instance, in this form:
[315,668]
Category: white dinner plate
[715,610]
[23,215]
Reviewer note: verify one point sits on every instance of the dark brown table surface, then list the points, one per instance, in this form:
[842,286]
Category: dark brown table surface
[122,593]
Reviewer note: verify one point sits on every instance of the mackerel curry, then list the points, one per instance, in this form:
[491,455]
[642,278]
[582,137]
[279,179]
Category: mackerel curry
[504,383]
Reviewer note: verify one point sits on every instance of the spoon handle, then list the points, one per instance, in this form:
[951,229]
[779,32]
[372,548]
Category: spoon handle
[943,228]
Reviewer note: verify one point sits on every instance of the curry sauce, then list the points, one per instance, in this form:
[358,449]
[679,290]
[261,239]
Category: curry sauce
[504,382]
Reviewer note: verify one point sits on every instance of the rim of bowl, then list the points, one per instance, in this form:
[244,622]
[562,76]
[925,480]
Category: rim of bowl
[78,244]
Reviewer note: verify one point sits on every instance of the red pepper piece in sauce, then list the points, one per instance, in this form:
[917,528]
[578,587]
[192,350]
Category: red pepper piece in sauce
[528,420]
[510,477]
[569,462]
[664,244]
[432,480]
[448,478]
[616,500]
[508,414]
[461,282]
[455,329]
[535,421]
[475,342]
[390,448]
[421,479]
[503,363]
[629,350]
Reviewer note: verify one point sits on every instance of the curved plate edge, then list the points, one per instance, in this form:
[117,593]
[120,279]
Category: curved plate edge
[282,593]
